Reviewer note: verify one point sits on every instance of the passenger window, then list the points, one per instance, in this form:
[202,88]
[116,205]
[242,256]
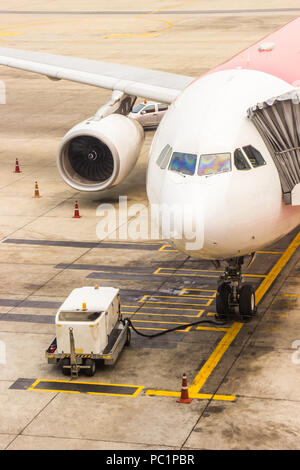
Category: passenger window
[138,108]
[214,163]
[240,161]
[164,156]
[149,109]
[184,163]
[162,107]
[254,155]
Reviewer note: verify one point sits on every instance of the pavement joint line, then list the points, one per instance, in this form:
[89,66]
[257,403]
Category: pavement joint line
[144,12]
[75,244]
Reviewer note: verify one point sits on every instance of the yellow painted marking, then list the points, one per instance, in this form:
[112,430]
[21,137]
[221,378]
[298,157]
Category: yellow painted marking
[181,304]
[215,357]
[167,314]
[182,293]
[270,252]
[145,16]
[135,394]
[175,273]
[164,314]
[290,295]
[164,329]
[277,268]
[211,328]
[163,308]
[33,385]
[153,321]
[201,396]
[138,387]
[163,248]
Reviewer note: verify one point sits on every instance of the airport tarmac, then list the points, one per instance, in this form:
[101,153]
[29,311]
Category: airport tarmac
[243,377]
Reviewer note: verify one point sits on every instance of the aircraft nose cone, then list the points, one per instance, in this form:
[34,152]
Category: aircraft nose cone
[182,220]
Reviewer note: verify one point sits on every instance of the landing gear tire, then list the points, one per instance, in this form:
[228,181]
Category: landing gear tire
[247,306]
[223,301]
[65,362]
[91,367]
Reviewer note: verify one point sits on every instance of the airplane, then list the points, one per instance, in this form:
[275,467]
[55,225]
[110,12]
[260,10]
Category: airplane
[229,145]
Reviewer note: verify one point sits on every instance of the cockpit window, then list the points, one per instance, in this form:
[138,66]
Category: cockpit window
[214,163]
[184,163]
[254,155]
[240,161]
[164,156]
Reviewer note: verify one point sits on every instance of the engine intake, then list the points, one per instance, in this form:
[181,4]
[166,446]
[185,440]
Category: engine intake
[97,154]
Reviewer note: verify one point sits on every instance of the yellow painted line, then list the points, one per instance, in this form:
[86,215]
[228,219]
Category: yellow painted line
[181,304]
[165,314]
[161,322]
[277,268]
[201,396]
[175,270]
[290,295]
[270,252]
[145,16]
[182,292]
[145,297]
[163,308]
[33,385]
[138,388]
[163,248]
[164,329]
[211,328]
[52,390]
[158,272]
[135,394]
[215,357]
[142,35]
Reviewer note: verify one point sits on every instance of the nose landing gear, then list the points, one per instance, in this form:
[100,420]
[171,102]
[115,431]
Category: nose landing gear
[233,296]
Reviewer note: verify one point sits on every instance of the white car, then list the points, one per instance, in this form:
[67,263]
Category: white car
[148,113]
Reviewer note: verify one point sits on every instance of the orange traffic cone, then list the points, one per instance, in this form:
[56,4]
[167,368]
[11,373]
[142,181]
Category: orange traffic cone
[17,168]
[184,398]
[36,191]
[76,211]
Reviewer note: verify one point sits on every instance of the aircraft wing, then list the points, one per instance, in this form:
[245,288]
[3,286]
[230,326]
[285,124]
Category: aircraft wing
[149,84]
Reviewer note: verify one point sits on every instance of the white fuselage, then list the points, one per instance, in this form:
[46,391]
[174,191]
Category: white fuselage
[236,212]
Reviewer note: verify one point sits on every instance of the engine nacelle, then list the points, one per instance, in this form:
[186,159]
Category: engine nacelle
[97,154]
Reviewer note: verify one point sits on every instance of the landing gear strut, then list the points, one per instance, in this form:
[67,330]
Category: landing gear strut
[233,295]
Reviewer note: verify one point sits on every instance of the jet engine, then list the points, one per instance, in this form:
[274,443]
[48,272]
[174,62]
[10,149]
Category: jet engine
[99,153]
